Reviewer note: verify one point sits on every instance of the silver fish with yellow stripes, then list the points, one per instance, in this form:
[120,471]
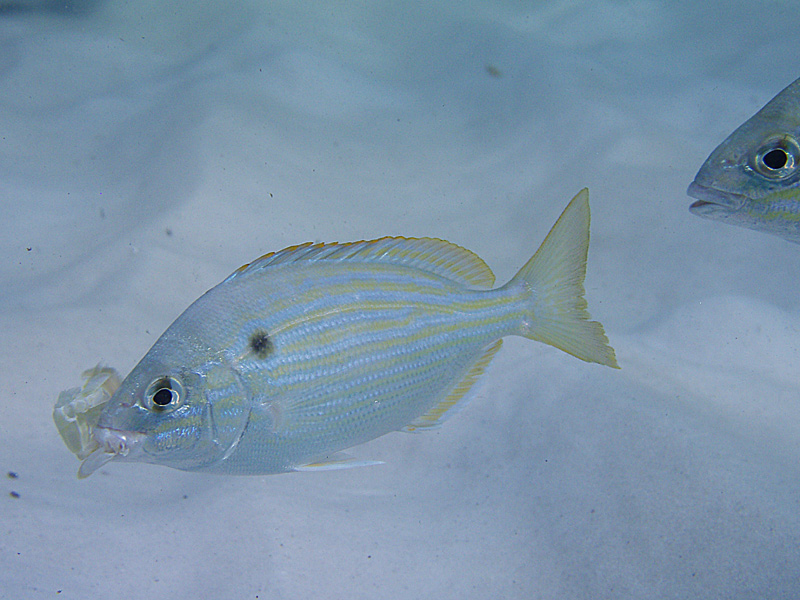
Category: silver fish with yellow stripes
[752,179]
[316,348]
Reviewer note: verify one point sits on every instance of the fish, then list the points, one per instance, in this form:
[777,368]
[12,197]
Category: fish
[752,179]
[309,351]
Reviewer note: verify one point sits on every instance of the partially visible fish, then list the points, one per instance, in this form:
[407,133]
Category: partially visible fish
[752,179]
[316,348]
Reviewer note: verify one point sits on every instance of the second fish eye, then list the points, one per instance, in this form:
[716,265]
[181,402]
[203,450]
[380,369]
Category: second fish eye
[778,158]
[775,159]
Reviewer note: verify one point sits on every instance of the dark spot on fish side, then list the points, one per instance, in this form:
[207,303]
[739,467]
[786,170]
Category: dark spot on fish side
[260,344]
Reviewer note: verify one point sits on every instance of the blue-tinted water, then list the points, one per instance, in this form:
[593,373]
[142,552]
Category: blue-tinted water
[149,149]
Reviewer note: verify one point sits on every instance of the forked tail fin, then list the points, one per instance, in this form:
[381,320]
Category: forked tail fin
[558,315]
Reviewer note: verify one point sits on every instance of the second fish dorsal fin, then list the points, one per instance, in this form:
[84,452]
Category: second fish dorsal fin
[428,254]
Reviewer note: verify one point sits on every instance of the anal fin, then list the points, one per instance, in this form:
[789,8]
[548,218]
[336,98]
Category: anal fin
[455,400]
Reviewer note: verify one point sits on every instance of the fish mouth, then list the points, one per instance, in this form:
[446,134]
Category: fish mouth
[713,201]
[112,443]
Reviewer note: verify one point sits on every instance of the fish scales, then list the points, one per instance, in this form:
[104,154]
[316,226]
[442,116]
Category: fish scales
[317,348]
[403,338]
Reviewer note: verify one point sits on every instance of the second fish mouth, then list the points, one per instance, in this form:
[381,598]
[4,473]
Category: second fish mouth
[713,200]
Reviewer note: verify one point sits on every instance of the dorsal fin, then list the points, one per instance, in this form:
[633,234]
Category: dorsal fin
[428,254]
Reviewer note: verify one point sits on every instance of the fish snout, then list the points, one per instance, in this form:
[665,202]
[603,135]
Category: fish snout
[117,442]
[112,443]
[713,201]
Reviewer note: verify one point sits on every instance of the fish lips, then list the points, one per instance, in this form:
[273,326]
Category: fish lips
[713,203]
[112,443]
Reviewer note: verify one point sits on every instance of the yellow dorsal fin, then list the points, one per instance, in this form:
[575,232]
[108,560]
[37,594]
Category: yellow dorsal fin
[453,402]
[428,254]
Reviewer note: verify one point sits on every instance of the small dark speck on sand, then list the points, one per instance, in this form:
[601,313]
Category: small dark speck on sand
[12,475]
[14,494]
[494,71]
[168,231]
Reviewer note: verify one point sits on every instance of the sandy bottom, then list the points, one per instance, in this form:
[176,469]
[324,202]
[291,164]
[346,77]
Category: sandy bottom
[148,149]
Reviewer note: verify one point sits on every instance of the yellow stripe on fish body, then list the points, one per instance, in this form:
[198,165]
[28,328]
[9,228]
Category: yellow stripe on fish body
[362,349]
[319,347]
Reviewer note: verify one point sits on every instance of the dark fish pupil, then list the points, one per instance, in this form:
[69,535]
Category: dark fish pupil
[162,397]
[775,159]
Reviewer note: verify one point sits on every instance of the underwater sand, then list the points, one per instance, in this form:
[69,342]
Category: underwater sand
[148,149]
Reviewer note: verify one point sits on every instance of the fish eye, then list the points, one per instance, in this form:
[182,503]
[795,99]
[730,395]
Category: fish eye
[775,159]
[778,158]
[164,394]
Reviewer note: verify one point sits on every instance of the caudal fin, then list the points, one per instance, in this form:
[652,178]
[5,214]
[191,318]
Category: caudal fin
[558,315]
